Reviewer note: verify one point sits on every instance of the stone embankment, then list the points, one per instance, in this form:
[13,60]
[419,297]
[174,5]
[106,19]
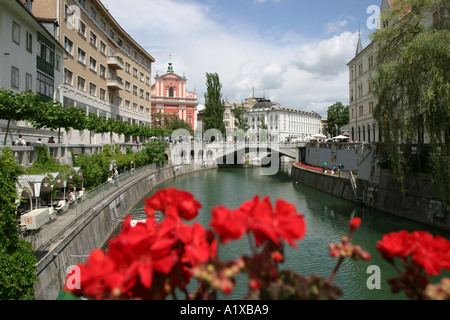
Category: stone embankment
[95,227]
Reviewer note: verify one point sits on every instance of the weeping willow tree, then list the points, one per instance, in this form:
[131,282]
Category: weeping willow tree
[412,86]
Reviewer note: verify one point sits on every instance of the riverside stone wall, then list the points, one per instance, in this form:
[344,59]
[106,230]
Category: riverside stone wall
[418,203]
[94,229]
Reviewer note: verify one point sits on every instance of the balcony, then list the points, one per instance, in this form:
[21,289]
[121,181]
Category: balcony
[115,83]
[115,62]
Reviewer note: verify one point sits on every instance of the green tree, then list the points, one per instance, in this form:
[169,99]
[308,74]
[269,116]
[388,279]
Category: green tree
[412,85]
[214,104]
[338,116]
[17,263]
[95,169]
[239,121]
[155,151]
[18,107]
[54,116]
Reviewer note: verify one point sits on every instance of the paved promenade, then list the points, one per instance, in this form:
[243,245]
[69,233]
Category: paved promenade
[50,232]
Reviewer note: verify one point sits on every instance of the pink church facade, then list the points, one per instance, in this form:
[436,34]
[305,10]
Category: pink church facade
[170,95]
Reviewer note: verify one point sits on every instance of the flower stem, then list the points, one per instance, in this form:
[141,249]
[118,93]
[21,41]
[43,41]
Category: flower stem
[336,268]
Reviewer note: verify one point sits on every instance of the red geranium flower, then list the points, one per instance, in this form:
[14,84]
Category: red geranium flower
[175,202]
[430,253]
[355,223]
[396,244]
[196,246]
[228,224]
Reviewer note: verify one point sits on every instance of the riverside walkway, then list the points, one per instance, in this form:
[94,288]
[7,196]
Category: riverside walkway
[41,239]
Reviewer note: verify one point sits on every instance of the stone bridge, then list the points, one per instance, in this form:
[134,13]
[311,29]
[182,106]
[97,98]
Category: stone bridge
[239,153]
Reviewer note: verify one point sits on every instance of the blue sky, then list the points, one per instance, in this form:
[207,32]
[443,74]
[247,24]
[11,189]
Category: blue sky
[293,52]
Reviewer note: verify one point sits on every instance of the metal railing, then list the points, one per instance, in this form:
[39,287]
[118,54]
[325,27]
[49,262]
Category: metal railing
[50,232]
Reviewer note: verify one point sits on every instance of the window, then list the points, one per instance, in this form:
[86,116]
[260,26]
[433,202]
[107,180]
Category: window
[147,96]
[15,77]
[92,64]
[135,54]
[103,24]
[93,14]
[82,3]
[103,94]
[361,111]
[371,107]
[28,82]
[370,62]
[102,47]
[119,41]
[135,106]
[93,39]
[68,77]
[141,93]
[29,44]
[44,85]
[127,49]
[92,89]
[81,56]
[127,104]
[46,52]
[68,45]
[135,90]
[119,101]
[135,73]
[102,71]
[171,92]
[81,84]
[111,97]
[127,86]
[127,67]
[112,33]
[142,77]
[16,33]
[81,28]
[147,80]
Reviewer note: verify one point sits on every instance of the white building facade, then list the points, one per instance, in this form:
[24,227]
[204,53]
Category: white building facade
[283,124]
[30,59]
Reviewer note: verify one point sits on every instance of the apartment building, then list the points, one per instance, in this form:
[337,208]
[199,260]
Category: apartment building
[30,59]
[363,126]
[105,71]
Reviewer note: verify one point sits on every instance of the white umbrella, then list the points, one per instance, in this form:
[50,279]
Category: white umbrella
[319,136]
[340,137]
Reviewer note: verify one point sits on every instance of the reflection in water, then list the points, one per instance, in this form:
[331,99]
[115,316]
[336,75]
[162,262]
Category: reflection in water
[326,217]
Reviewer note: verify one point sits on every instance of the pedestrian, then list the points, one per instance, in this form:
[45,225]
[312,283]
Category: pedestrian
[115,173]
[50,140]
[325,166]
[20,142]
[39,141]
[70,196]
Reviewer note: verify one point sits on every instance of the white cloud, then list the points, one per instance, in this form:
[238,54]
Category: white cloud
[280,64]
[335,26]
[329,57]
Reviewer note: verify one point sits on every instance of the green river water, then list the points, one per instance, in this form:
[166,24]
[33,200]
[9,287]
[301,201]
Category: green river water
[326,217]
